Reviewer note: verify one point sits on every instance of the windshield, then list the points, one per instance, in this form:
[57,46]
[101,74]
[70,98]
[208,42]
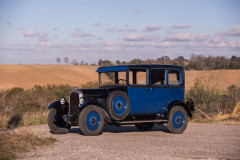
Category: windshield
[113,78]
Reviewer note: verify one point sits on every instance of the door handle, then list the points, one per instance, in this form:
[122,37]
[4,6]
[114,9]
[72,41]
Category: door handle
[169,89]
[147,89]
[152,89]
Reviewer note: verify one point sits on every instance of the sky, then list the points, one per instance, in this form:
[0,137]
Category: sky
[39,31]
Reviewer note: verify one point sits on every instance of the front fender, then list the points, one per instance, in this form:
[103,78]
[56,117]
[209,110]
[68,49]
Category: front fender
[96,103]
[55,105]
[58,106]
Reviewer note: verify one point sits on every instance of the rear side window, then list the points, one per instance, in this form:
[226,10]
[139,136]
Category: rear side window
[158,77]
[173,77]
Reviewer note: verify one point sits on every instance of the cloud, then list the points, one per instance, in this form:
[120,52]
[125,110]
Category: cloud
[55,28]
[127,30]
[78,29]
[42,35]
[110,29]
[153,27]
[30,33]
[186,36]
[137,37]
[180,26]
[165,44]
[78,34]
[137,11]
[235,31]
[97,24]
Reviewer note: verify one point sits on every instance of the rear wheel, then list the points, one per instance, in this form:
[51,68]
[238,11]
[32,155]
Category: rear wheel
[144,126]
[178,120]
[57,122]
[91,121]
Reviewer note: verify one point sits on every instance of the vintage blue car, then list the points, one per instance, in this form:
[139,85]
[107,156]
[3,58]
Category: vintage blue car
[140,95]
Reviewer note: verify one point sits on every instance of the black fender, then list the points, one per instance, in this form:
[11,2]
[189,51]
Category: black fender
[178,103]
[96,103]
[59,107]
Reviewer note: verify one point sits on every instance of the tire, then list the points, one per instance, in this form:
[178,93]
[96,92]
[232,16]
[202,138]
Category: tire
[91,120]
[118,105]
[178,120]
[144,126]
[56,123]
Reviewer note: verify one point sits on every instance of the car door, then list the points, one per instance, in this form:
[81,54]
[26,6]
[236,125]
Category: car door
[138,91]
[158,91]
[175,85]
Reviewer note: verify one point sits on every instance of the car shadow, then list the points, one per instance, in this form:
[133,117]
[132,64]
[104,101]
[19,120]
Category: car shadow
[124,129]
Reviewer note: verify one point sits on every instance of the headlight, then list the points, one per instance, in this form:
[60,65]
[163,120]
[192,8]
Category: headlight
[63,100]
[81,101]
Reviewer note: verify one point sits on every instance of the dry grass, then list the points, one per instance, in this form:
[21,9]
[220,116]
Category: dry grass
[26,76]
[28,119]
[220,122]
[12,143]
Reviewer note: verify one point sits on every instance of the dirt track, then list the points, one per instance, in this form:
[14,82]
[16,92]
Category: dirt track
[197,142]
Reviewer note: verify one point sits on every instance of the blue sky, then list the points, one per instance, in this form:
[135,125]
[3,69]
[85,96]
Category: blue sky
[34,31]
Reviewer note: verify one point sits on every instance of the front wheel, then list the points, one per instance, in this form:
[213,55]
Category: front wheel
[57,122]
[91,121]
[178,120]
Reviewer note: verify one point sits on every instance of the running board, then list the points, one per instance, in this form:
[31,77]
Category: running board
[142,121]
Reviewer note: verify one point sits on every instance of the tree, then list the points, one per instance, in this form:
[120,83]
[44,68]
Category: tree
[124,62]
[118,62]
[82,63]
[136,61]
[58,59]
[66,60]
[74,62]
[106,63]
[100,62]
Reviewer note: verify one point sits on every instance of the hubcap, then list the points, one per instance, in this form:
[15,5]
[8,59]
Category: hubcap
[119,105]
[93,121]
[178,120]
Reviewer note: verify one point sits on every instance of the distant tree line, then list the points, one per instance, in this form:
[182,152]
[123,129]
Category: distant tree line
[196,62]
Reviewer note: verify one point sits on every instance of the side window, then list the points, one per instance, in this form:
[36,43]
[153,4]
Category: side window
[138,77]
[158,77]
[173,77]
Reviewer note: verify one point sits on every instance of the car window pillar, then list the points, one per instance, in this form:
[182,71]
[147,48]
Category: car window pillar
[99,80]
[116,78]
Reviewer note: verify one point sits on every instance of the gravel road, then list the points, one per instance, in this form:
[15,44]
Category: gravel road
[199,141]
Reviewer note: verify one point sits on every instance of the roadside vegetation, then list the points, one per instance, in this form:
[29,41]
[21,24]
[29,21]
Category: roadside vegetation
[19,107]
[13,143]
[213,105]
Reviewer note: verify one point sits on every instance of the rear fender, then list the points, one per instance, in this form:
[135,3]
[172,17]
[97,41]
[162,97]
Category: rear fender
[178,103]
[96,103]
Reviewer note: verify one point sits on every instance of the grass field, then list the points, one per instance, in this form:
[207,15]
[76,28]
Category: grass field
[26,76]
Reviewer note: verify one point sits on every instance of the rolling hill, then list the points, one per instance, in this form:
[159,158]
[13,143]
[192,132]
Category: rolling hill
[26,76]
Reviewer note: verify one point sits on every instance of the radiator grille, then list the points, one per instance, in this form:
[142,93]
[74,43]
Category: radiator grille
[74,99]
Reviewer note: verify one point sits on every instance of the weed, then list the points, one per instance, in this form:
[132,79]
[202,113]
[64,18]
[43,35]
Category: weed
[12,143]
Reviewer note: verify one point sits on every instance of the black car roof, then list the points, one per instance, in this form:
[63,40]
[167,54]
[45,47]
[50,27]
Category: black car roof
[125,67]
